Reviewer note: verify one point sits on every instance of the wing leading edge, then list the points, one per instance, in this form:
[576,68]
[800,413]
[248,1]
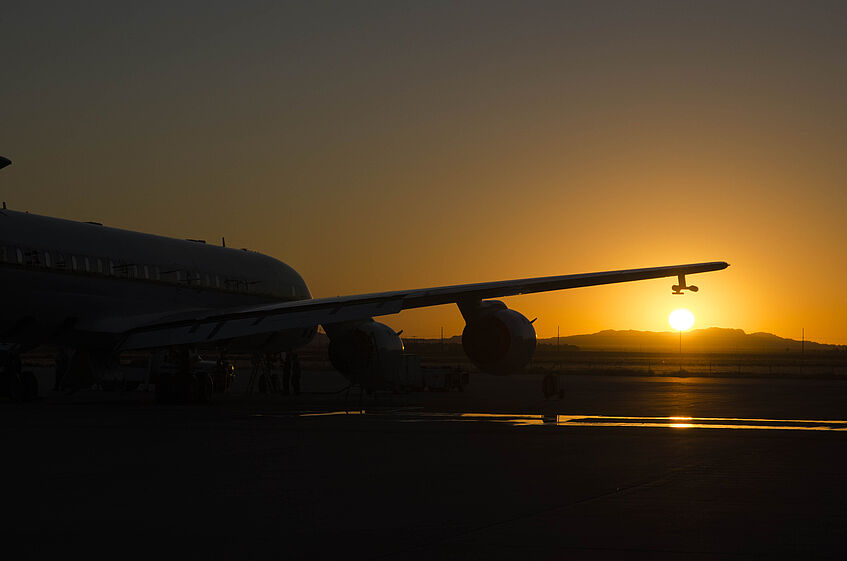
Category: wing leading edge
[218,325]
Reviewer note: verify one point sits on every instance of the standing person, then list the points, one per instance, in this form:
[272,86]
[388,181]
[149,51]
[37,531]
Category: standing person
[295,373]
[271,373]
[255,372]
[286,373]
[274,373]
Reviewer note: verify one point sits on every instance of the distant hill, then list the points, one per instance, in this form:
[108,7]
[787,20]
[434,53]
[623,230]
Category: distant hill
[711,340]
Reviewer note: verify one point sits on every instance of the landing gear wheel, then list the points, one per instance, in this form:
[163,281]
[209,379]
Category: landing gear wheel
[30,386]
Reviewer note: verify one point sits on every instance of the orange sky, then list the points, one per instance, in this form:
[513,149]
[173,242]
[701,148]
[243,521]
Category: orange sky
[390,146]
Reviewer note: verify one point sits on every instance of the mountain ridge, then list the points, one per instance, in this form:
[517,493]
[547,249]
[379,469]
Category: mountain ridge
[710,339]
[705,340]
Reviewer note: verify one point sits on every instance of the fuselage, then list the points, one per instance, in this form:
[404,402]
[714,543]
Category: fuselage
[77,283]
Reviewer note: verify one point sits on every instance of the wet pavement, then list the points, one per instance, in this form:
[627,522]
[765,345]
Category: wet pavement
[619,468]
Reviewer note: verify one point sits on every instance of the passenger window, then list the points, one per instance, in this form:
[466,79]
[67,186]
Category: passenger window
[73,262]
[20,256]
[85,264]
[99,265]
[156,273]
[146,272]
[47,262]
[32,258]
[217,281]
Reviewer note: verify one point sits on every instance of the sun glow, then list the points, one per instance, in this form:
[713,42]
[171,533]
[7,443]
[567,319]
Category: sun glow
[681,319]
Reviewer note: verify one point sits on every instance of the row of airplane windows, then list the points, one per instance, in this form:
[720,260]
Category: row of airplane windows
[113,268]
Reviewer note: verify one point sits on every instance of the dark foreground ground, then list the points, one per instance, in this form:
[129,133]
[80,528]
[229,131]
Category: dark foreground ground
[116,475]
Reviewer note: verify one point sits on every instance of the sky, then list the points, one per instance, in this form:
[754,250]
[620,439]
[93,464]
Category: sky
[386,145]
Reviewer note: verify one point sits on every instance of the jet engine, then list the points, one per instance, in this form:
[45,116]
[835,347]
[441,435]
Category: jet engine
[367,353]
[496,339]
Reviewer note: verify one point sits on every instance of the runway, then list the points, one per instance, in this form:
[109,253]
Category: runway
[617,469]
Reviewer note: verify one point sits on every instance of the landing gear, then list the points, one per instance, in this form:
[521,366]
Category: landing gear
[679,288]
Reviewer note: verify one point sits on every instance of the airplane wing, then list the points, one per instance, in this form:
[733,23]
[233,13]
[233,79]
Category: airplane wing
[217,325]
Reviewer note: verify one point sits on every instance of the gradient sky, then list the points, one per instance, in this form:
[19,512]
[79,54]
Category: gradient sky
[384,145]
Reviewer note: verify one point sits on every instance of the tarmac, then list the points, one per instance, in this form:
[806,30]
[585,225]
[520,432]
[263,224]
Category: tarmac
[618,468]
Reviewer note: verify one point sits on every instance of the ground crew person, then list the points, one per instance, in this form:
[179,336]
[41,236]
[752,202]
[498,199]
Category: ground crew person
[286,373]
[295,373]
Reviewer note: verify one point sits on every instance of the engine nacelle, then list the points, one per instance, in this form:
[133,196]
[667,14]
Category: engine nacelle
[496,339]
[368,353]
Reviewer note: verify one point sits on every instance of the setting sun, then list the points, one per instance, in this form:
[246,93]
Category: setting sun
[681,319]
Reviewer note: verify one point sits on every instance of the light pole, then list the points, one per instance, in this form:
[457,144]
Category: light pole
[681,319]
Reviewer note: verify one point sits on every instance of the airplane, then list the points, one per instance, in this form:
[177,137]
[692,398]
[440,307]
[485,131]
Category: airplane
[101,291]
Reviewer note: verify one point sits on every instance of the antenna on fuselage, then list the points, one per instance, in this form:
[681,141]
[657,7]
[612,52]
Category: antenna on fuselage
[223,241]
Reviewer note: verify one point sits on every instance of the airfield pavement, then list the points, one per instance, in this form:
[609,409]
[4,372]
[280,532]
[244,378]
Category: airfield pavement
[613,470]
